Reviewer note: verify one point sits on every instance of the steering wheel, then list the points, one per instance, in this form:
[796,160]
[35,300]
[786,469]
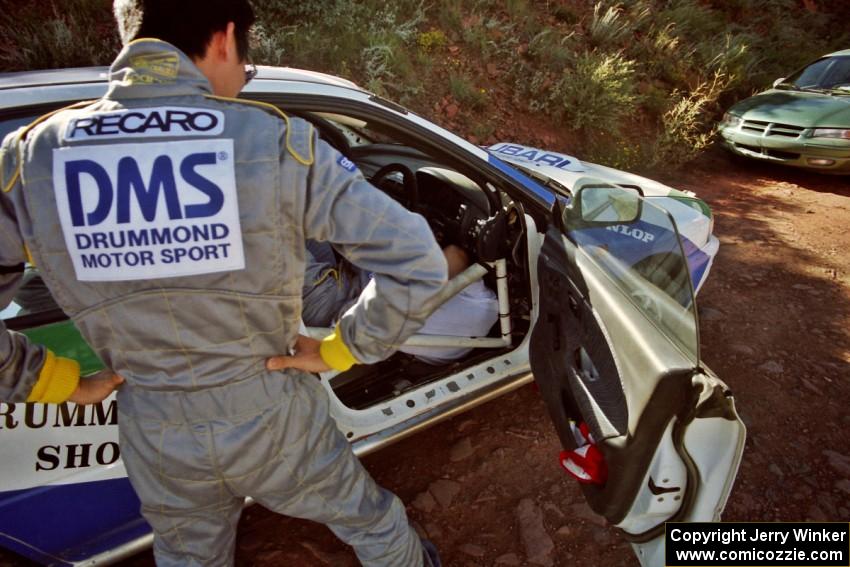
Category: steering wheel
[410,199]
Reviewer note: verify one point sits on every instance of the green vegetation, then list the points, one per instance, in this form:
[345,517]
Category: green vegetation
[57,34]
[466,93]
[597,94]
[631,83]
[684,129]
[373,42]
[432,41]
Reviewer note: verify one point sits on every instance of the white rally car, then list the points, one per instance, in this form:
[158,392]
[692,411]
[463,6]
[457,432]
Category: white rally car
[595,270]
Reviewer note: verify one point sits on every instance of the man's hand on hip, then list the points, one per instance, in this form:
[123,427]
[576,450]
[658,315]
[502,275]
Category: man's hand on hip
[306,357]
[96,388]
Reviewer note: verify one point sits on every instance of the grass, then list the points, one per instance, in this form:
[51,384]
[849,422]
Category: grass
[483,131]
[466,93]
[72,33]
[552,49]
[449,18]
[372,42]
[608,27]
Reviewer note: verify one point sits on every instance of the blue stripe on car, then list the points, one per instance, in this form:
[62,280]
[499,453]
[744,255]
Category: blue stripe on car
[70,522]
[698,261]
[538,191]
[632,249]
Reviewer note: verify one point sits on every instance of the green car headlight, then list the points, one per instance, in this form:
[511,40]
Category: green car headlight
[839,133]
[731,121]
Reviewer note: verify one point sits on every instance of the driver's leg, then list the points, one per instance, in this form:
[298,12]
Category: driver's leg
[327,290]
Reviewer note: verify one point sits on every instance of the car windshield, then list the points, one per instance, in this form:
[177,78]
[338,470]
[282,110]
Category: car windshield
[646,260]
[823,74]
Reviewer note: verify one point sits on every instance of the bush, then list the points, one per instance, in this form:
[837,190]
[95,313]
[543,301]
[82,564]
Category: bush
[732,57]
[597,94]
[369,41]
[483,131]
[267,46]
[75,33]
[466,93]
[565,13]
[431,41]
[687,126]
[694,20]
[450,18]
[616,152]
[552,50]
[608,28]
[490,36]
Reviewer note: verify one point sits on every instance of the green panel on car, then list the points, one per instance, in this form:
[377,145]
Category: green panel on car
[64,339]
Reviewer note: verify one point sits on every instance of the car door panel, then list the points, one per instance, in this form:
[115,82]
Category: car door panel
[565,329]
[602,353]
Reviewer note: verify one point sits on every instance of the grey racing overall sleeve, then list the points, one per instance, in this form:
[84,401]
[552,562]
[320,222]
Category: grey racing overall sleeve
[378,235]
[28,372]
[328,288]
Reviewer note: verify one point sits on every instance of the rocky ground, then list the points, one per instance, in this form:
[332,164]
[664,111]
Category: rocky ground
[486,486]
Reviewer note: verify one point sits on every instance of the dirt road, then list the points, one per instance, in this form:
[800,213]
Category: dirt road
[775,316]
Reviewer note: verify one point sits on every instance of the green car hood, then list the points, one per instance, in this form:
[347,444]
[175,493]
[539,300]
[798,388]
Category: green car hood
[803,109]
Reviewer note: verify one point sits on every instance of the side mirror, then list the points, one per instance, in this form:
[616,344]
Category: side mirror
[608,204]
[778,82]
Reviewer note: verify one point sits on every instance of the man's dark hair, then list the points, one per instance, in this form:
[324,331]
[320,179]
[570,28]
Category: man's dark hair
[186,24]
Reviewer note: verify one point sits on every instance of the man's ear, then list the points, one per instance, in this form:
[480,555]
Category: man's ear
[222,44]
[230,41]
[217,47]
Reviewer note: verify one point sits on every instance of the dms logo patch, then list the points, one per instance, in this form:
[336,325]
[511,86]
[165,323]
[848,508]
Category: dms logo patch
[347,164]
[146,211]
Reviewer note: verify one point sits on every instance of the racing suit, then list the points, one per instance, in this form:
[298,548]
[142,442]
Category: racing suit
[184,285]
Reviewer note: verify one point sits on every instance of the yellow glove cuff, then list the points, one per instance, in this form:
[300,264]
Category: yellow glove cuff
[335,352]
[57,380]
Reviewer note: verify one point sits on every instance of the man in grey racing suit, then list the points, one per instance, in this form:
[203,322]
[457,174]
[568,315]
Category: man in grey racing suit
[169,222]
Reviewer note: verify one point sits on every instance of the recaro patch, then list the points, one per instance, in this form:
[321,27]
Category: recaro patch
[146,123]
[147,211]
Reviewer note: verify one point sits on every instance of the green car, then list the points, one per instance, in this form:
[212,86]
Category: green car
[803,121]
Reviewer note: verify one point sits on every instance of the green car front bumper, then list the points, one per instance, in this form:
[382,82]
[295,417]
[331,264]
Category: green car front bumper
[787,146]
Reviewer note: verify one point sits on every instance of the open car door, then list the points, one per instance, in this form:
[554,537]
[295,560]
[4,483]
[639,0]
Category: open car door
[651,433]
